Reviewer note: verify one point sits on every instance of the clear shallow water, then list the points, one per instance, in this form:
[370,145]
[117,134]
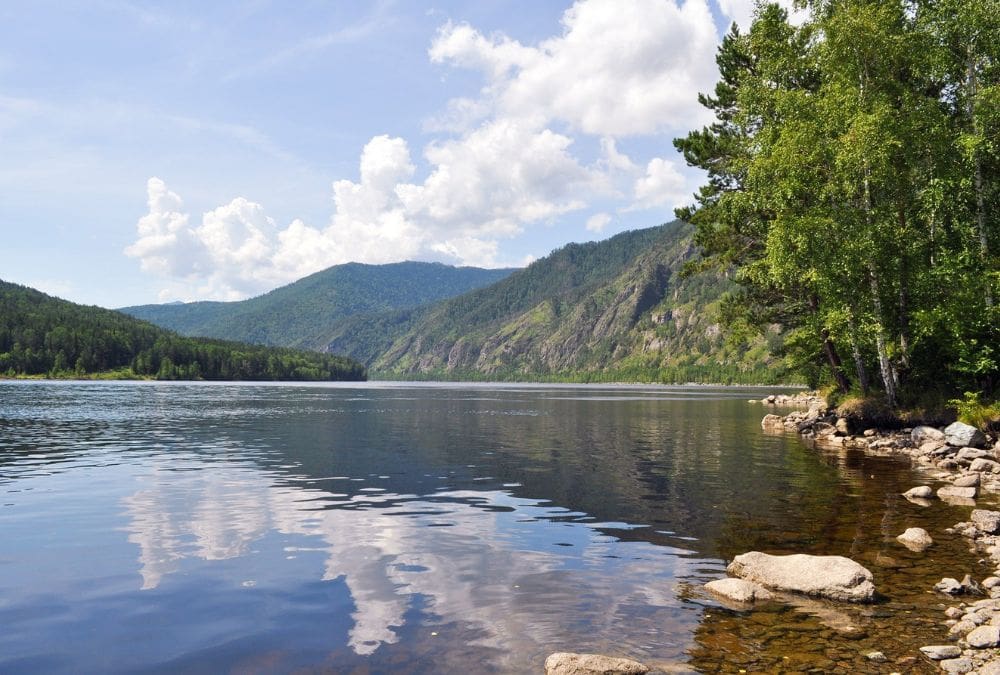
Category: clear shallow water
[150,527]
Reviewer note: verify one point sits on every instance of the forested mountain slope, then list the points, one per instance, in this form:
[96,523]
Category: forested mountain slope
[307,312]
[43,335]
[618,309]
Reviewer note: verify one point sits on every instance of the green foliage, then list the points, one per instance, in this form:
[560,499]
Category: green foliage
[310,312]
[42,335]
[852,189]
[972,410]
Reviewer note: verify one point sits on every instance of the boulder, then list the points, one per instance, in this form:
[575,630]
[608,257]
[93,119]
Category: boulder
[738,590]
[915,538]
[922,434]
[842,426]
[984,637]
[986,521]
[940,652]
[919,492]
[960,434]
[568,663]
[831,576]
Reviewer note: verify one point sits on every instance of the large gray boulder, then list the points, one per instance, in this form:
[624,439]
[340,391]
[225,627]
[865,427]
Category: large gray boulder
[568,663]
[826,576]
[960,434]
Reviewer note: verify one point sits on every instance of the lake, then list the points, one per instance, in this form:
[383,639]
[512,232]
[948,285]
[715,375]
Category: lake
[425,528]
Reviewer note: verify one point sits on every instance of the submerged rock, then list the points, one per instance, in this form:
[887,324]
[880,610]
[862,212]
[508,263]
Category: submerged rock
[772,422]
[568,663]
[738,590]
[829,576]
[959,434]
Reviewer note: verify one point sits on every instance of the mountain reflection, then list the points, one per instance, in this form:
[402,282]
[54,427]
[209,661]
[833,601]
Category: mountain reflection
[513,567]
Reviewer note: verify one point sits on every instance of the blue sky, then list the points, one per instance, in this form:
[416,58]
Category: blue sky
[153,152]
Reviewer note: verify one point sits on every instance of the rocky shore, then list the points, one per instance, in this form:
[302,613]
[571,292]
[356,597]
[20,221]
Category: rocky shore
[962,457]
[969,462]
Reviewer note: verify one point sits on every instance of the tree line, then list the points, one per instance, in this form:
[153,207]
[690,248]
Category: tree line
[852,189]
[41,335]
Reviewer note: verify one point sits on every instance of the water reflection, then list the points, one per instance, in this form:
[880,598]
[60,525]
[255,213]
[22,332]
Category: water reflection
[467,554]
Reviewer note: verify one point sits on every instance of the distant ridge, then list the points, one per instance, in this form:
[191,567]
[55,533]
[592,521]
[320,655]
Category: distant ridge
[617,309]
[307,312]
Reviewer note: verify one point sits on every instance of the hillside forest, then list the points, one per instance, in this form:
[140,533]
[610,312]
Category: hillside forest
[42,335]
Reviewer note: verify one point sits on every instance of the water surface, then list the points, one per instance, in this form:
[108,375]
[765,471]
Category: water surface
[164,527]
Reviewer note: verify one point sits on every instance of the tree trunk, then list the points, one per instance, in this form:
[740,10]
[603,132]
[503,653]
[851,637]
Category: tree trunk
[859,363]
[890,379]
[977,179]
[830,351]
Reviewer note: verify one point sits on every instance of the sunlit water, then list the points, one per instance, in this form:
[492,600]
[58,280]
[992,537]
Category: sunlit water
[148,527]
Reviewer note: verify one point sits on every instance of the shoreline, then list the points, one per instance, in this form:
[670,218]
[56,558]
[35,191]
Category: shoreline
[968,462]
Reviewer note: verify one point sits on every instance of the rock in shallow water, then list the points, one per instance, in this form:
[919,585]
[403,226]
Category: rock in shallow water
[960,492]
[915,538]
[739,590]
[568,663]
[919,492]
[939,652]
[948,585]
[827,576]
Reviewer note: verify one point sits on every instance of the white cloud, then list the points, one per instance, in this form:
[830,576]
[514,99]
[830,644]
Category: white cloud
[619,68]
[662,185]
[598,221]
[742,11]
[484,187]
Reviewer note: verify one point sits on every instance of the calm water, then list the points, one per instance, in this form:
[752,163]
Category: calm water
[148,527]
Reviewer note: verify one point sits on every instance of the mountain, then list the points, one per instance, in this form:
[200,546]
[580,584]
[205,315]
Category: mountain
[43,335]
[618,309]
[307,312]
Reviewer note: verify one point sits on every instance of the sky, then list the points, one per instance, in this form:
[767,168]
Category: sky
[155,152]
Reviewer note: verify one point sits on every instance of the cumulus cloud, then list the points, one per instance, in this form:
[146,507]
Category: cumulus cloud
[483,188]
[619,68]
[662,185]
